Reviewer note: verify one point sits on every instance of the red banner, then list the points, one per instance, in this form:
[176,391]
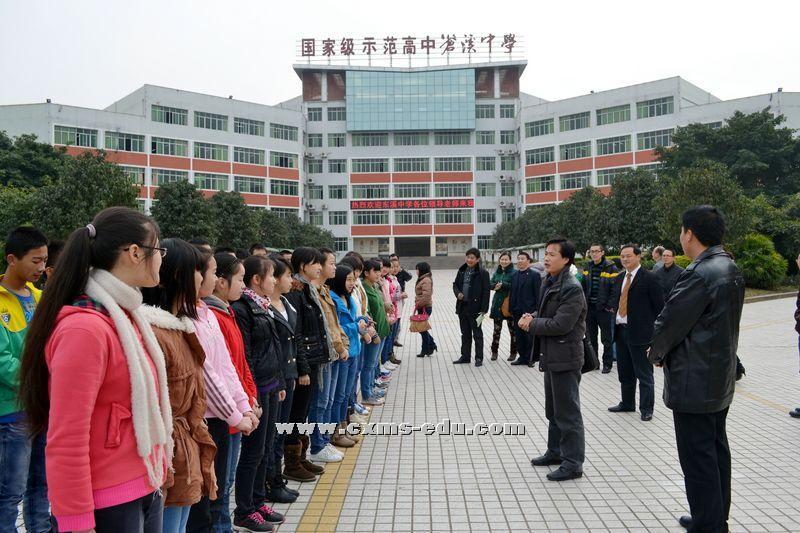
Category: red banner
[438,203]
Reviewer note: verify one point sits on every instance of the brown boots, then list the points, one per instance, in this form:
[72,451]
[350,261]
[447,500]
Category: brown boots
[341,438]
[305,442]
[292,467]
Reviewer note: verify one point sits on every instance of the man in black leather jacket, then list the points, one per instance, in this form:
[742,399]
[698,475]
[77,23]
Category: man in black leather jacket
[695,341]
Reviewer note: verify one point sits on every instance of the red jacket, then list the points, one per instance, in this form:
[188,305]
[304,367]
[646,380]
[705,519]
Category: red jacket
[233,339]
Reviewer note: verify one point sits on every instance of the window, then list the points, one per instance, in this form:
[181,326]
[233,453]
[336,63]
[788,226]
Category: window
[507,214]
[314,166]
[538,156]
[337,192]
[484,111]
[315,218]
[210,121]
[413,138]
[314,140]
[576,180]
[315,114]
[285,212]
[487,216]
[161,176]
[369,192]
[485,163]
[284,187]
[485,242]
[337,140]
[248,126]
[164,146]
[508,188]
[314,192]
[248,184]
[484,137]
[453,216]
[655,107]
[75,136]
[337,113]
[487,189]
[337,166]
[370,139]
[714,125]
[612,115]
[337,218]
[281,131]
[614,145]
[412,164]
[649,140]
[251,156]
[217,152]
[576,150]
[340,244]
[539,127]
[507,137]
[370,165]
[211,182]
[125,142]
[507,111]
[575,121]
[540,184]
[451,137]
[283,160]
[412,216]
[412,190]
[453,190]
[169,115]
[606,176]
[135,174]
[365,218]
[452,164]
[508,162]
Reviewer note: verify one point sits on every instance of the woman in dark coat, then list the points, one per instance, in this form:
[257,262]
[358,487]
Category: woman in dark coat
[501,284]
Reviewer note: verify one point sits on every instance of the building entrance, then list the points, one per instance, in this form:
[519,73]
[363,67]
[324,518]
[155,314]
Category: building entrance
[412,246]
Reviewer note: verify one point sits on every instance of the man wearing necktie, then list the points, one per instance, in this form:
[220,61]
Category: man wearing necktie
[637,300]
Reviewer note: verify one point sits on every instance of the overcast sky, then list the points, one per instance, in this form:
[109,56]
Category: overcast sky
[90,53]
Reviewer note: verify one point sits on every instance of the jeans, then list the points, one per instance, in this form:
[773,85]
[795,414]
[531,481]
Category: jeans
[632,365]
[144,515]
[562,407]
[344,386]
[602,320]
[388,345]
[224,525]
[284,412]
[370,369]
[22,479]
[469,331]
[353,398]
[175,519]
[205,513]
[321,403]
[428,344]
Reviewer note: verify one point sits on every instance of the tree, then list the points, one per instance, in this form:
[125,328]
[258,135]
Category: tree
[16,208]
[303,234]
[779,217]
[629,210]
[582,218]
[761,156]
[706,183]
[25,162]
[273,230]
[84,186]
[182,212]
[236,224]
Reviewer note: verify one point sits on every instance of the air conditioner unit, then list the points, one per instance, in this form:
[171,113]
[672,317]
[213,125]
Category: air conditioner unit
[308,155]
[310,181]
[311,207]
[324,155]
[324,206]
[502,204]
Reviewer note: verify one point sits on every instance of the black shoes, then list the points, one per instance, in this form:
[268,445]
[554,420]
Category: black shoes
[606,369]
[519,362]
[647,417]
[685,521]
[620,409]
[511,357]
[546,460]
[461,361]
[795,413]
[478,362]
[562,474]
[397,344]
[278,492]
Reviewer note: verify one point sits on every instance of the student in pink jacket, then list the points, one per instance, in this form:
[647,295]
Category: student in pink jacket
[96,380]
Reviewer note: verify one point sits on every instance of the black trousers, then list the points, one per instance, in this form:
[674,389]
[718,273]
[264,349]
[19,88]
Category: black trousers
[600,319]
[255,457]
[706,463]
[633,366]
[205,513]
[469,331]
[524,341]
[562,407]
[301,401]
[284,413]
[144,515]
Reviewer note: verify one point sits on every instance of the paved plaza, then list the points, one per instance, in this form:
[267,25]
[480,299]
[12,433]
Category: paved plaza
[632,479]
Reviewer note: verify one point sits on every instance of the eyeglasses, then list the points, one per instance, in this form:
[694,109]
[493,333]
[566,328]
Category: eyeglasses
[162,251]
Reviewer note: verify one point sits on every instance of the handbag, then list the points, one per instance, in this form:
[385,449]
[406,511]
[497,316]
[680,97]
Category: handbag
[419,322]
[590,360]
[504,307]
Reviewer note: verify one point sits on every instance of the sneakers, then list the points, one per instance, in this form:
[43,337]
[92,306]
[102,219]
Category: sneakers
[328,454]
[381,384]
[374,401]
[360,409]
[394,360]
[358,419]
[271,515]
[380,393]
[252,523]
[385,377]
[388,365]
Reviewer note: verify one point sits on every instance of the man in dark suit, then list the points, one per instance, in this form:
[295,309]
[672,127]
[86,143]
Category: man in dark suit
[637,300]
[471,288]
[525,285]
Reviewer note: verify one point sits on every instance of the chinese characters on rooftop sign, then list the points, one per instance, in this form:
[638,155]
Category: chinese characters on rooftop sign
[412,204]
[428,48]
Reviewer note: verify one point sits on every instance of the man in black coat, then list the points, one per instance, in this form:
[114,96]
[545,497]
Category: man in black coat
[695,341]
[559,327]
[471,288]
[525,285]
[598,279]
[637,299]
[669,272]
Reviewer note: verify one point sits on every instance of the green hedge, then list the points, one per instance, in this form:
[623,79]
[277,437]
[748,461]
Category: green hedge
[762,266]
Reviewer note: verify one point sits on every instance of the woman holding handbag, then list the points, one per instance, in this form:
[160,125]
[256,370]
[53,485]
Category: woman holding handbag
[423,305]
[501,284]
